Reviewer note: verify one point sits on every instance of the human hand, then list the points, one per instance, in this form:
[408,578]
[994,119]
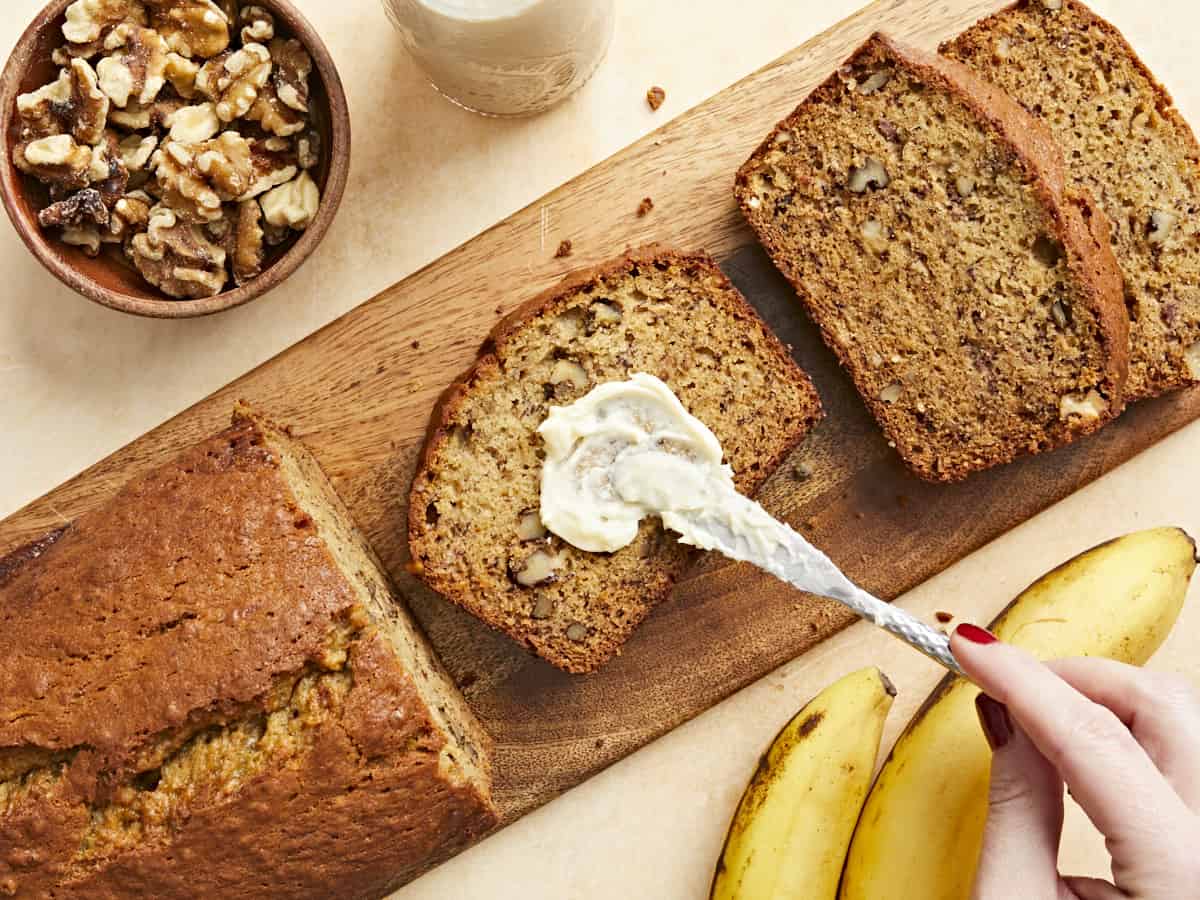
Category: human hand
[1125,741]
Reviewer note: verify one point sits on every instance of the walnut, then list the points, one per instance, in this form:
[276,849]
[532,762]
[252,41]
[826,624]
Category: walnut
[258,25]
[193,124]
[875,81]
[136,67]
[1087,406]
[273,163]
[190,27]
[176,257]
[181,72]
[1160,226]
[655,97]
[246,249]
[137,117]
[871,174]
[293,204]
[136,151]
[233,80]
[536,568]
[86,237]
[274,115]
[128,216]
[108,172]
[72,104]
[292,66]
[81,208]
[530,527]
[90,21]
[56,160]
[274,235]
[196,178]
[308,149]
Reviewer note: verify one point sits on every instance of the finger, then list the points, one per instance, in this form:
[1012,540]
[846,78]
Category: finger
[1094,889]
[1161,710]
[1109,774]
[1019,857]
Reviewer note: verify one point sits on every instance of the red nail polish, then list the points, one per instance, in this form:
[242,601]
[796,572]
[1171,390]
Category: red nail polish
[975,634]
[993,717]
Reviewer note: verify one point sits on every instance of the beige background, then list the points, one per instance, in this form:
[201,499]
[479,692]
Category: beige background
[78,381]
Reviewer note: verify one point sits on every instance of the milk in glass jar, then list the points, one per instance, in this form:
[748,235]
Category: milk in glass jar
[505,57]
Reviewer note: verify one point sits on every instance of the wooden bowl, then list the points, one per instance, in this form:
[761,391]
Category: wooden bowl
[109,279]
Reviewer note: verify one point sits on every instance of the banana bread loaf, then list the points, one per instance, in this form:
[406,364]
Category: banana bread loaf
[209,691]
[922,218]
[1125,141]
[474,528]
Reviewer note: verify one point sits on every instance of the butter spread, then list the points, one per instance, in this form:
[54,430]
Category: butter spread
[627,450]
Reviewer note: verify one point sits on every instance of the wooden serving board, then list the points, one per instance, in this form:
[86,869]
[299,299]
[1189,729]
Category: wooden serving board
[359,392]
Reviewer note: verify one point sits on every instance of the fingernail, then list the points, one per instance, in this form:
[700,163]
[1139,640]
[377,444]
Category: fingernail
[975,634]
[993,717]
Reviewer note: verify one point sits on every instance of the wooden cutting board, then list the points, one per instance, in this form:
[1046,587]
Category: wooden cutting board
[359,392]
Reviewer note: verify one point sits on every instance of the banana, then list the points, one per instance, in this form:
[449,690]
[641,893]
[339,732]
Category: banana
[789,835]
[922,825]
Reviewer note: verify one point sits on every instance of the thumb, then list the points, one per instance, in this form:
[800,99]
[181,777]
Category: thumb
[1025,814]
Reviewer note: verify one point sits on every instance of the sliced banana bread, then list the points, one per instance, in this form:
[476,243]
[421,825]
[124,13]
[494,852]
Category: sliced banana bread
[921,216]
[209,691]
[1125,141]
[474,528]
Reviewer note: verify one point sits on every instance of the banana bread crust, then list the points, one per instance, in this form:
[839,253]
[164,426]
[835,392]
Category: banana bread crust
[199,618]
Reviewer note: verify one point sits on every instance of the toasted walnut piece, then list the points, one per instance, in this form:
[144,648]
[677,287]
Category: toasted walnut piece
[57,160]
[1087,406]
[258,25]
[273,163]
[1160,226]
[891,393]
[247,242]
[86,237]
[234,79]
[190,27]
[577,632]
[604,312]
[529,526]
[875,81]
[874,235]
[176,257]
[129,215]
[539,567]
[644,207]
[292,66]
[274,115]
[871,174]
[137,66]
[274,235]
[193,124]
[655,97]
[196,178]
[136,151]
[564,250]
[82,207]
[293,204]
[1191,357]
[181,72]
[308,149]
[72,104]
[90,21]
[568,379]
[108,172]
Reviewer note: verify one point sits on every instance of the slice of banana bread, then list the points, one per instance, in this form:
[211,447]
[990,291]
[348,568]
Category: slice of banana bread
[1126,143]
[474,528]
[209,691]
[921,216]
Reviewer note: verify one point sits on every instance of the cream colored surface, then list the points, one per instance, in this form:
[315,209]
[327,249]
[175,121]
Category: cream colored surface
[78,381]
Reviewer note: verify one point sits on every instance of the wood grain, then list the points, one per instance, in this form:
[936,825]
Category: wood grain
[359,392]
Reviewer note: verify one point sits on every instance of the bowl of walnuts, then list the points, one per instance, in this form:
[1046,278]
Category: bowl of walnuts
[172,158]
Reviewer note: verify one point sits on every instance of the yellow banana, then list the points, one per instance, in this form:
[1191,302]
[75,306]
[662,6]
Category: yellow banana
[789,835]
[922,825]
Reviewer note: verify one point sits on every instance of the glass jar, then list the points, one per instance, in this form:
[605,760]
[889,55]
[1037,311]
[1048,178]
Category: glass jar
[505,57]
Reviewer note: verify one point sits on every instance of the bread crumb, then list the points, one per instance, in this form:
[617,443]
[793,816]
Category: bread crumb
[563,251]
[943,617]
[655,97]
[645,206]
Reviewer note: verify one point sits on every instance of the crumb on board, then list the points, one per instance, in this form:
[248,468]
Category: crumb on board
[645,206]
[563,251]
[943,616]
[416,345]
[655,97]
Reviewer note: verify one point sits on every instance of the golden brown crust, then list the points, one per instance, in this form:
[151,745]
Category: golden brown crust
[1164,378]
[659,578]
[173,613]
[1090,258]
